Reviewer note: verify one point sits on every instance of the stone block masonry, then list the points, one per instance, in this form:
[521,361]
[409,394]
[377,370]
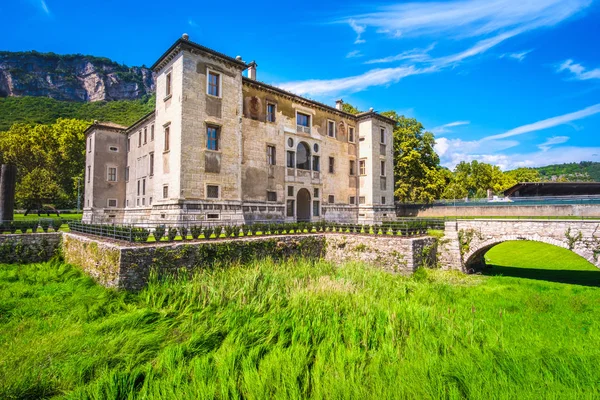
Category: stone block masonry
[128,267]
[29,248]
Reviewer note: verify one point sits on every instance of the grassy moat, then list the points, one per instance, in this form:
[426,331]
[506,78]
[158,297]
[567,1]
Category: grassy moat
[529,329]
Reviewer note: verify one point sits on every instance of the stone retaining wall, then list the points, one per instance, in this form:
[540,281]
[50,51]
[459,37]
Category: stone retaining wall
[128,267]
[28,248]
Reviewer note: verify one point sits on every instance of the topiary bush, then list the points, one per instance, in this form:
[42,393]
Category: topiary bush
[159,232]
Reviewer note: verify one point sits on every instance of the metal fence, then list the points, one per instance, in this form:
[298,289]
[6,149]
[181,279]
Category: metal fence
[143,233]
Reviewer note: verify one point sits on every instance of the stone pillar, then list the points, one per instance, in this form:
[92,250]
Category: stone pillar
[8,181]
[449,247]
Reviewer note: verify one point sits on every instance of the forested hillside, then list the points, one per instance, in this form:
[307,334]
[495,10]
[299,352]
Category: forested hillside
[572,172]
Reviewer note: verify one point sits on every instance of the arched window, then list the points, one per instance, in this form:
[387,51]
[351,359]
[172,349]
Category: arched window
[303,156]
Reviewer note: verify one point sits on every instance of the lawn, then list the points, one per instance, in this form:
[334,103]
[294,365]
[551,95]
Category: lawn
[298,330]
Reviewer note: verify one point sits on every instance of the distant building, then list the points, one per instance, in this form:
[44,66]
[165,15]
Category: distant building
[551,189]
[223,147]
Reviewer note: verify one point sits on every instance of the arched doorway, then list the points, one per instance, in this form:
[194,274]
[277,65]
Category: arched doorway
[303,205]
[303,156]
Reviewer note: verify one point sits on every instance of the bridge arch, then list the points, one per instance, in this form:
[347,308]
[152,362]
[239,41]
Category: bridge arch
[474,256]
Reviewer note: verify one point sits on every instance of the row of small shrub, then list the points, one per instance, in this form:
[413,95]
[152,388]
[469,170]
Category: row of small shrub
[24,226]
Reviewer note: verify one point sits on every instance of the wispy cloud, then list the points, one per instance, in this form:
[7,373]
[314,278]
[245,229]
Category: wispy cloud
[579,71]
[516,56]
[438,130]
[554,140]
[467,18]
[354,54]
[415,55]
[192,23]
[548,123]
[44,7]
[359,29]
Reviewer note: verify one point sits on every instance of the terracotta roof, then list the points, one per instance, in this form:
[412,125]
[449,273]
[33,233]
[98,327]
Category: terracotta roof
[186,44]
[106,125]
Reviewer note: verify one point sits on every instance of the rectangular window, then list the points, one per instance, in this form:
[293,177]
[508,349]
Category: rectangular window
[145,135]
[271,112]
[290,208]
[128,144]
[137,201]
[112,174]
[152,133]
[316,208]
[112,202]
[351,134]
[352,167]
[143,201]
[126,174]
[139,138]
[331,199]
[271,155]
[361,200]
[352,200]
[291,159]
[150,201]
[212,192]
[127,203]
[302,123]
[271,196]
[138,187]
[90,145]
[165,191]
[362,167]
[383,200]
[151,164]
[382,136]
[316,163]
[331,129]
[89,173]
[316,193]
[214,84]
[382,168]
[290,191]
[331,165]
[168,85]
[212,138]
[143,187]
[167,137]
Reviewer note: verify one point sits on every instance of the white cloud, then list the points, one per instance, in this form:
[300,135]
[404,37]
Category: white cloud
[579,72]
[414,55]
[192,23]
[359,29]
[554,140]
[517,56]
[548,123]
[438,130]
[44,7]
[467,18]
[354,54]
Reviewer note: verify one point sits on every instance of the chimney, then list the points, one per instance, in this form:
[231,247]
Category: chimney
[338,104]
[185,36]
[252,70]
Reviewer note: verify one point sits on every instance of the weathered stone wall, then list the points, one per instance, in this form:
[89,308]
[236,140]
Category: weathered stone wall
[466,241]
[29,248]
[388,253]
[563,210]
[128,267]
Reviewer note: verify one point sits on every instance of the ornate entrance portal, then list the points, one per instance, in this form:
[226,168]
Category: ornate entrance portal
[303,205]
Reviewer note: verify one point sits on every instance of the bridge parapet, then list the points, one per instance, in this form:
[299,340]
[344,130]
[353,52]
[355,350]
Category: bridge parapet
[466,241]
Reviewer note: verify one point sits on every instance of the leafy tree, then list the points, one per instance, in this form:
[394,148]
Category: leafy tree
[349,108]
[523,175]
[417,171]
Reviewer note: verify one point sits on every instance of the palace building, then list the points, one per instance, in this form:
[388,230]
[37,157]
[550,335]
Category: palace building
[225,147]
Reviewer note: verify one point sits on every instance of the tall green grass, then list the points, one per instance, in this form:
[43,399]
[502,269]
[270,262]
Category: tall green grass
[296,330]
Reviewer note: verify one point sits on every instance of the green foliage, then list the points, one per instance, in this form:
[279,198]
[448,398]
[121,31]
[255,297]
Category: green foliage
[585,171]
[474,179]
[298,330]
[349,108]
[43,110]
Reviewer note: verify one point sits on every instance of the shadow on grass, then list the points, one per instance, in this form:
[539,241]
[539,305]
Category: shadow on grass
[583,278]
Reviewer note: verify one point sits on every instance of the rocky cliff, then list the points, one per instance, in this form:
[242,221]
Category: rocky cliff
[71,77]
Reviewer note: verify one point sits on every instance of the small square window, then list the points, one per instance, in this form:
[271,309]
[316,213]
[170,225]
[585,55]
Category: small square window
[361,200]
[271,196]
[383,200]
[290,208]
[212,191]
[212,138]
[271,160]
[165,191]
[352,200]
[291,191]
[112,202]
[112,174]
[212,216]
[114,149]
[214,84]
[271,112]
[331,165]
[331,199]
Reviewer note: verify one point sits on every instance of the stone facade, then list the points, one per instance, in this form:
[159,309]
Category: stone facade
[466,241]
[231,149]
[128,267]
[29,248]
[498,209]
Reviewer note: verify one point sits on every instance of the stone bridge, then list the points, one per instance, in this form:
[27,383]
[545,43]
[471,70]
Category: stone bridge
[466,241]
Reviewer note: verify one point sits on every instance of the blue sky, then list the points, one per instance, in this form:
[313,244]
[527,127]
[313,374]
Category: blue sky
[512,83]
